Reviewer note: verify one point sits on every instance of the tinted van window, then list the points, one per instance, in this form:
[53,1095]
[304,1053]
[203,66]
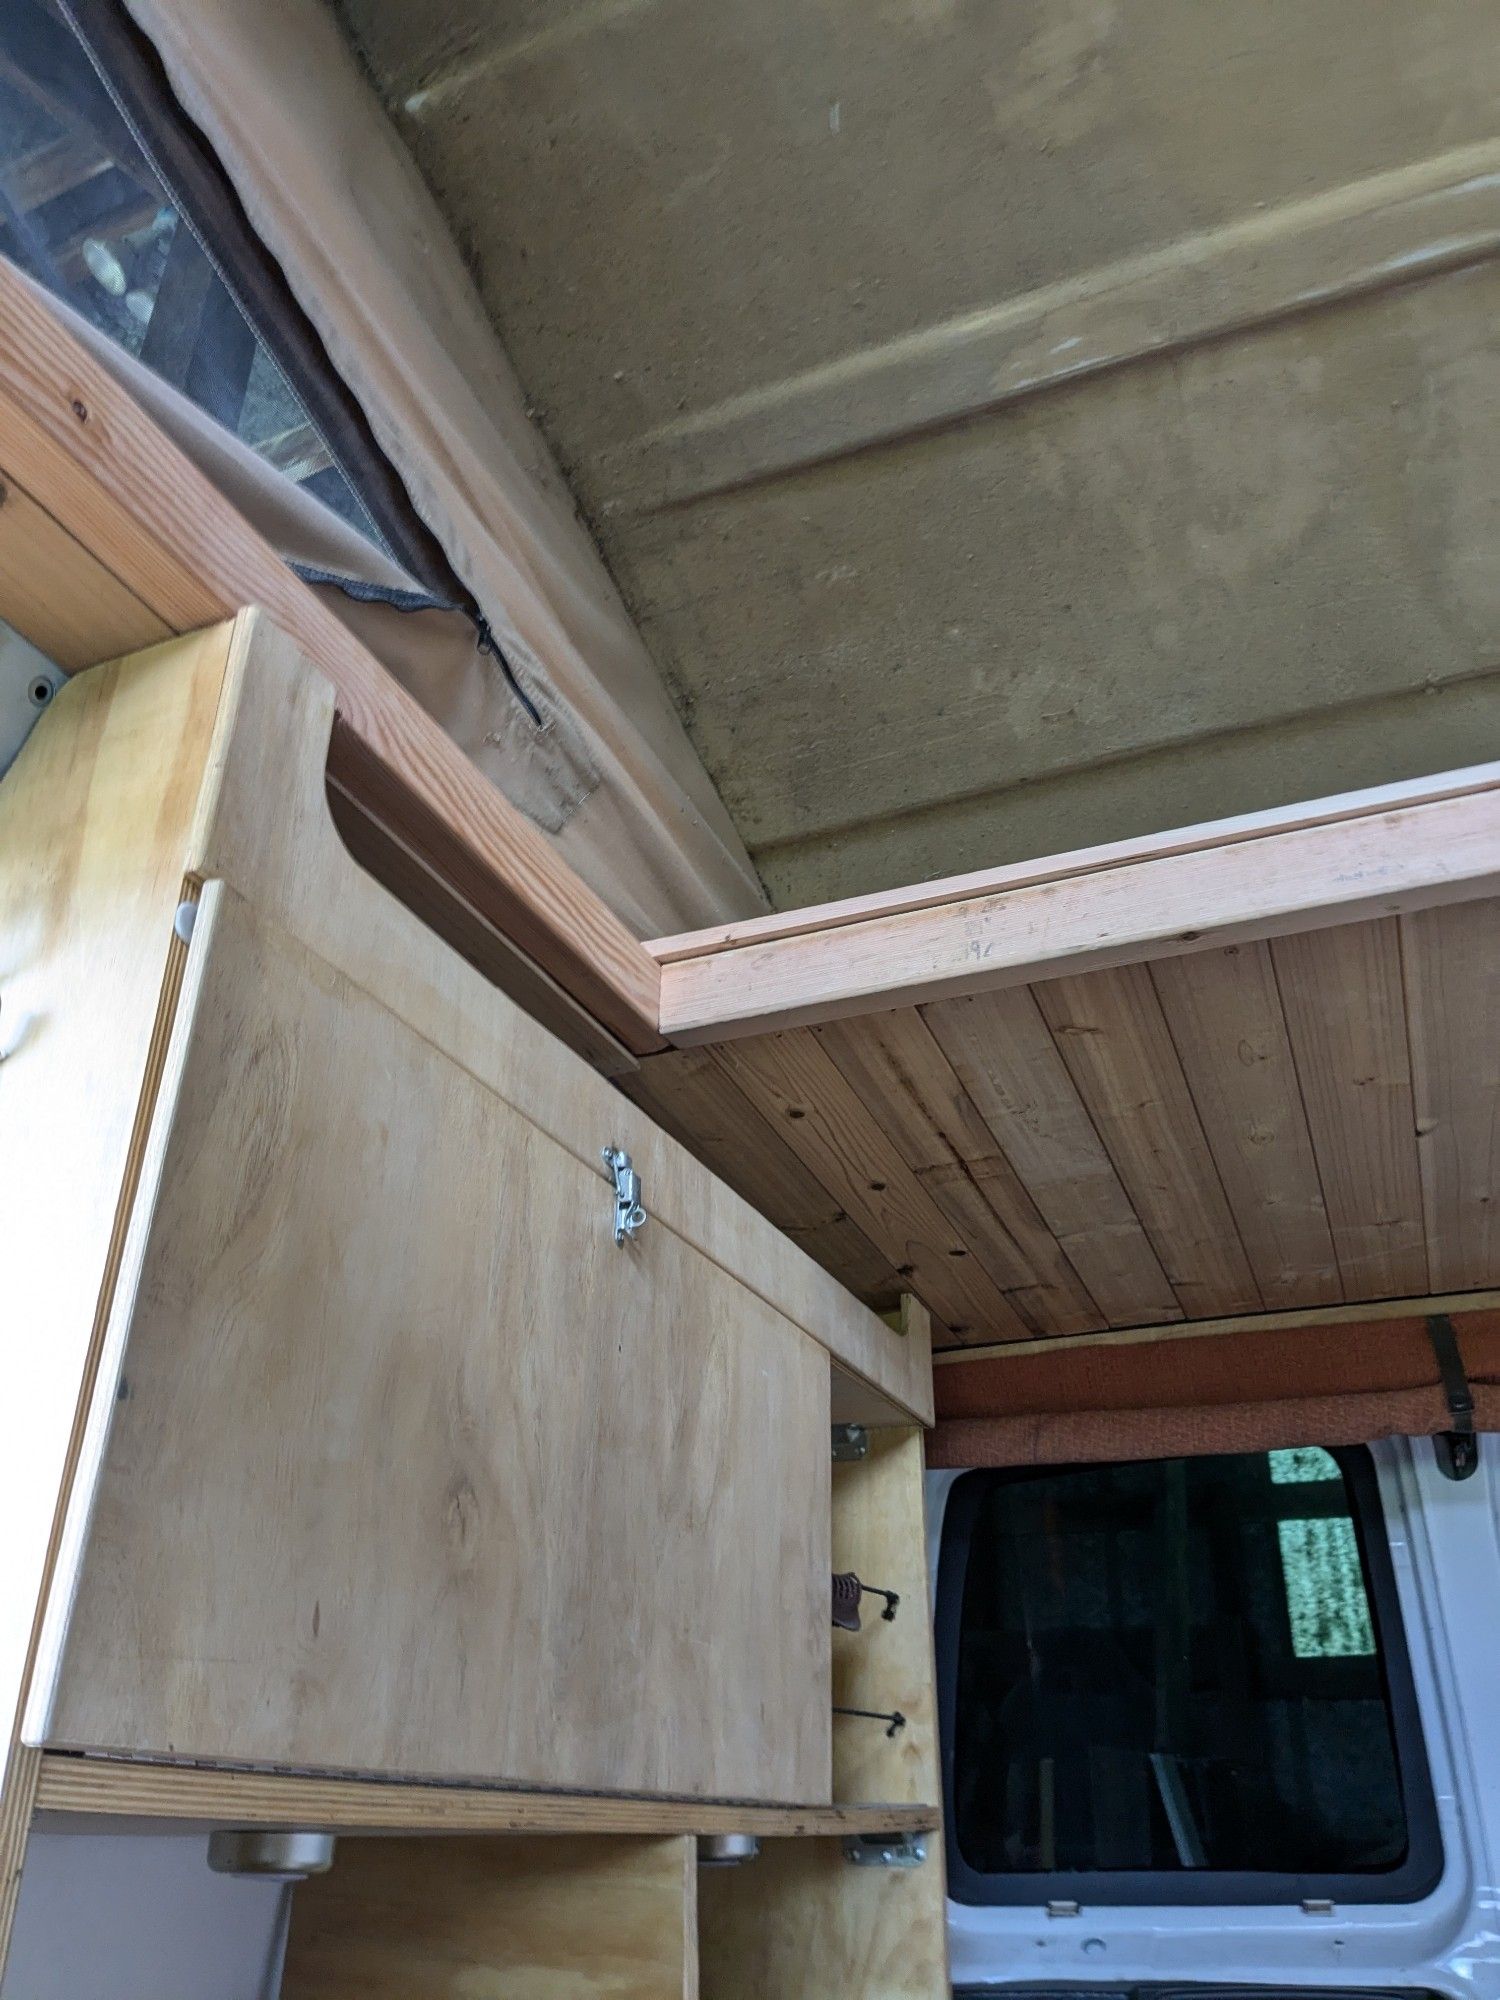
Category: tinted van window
[1179,1680]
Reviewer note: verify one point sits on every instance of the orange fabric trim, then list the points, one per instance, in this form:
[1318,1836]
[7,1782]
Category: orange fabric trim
[1224,1392]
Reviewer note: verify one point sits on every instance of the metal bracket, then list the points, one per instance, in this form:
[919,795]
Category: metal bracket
[28,681]
[894,1850]
[1457,1453]
[630,1211]
[850,1442]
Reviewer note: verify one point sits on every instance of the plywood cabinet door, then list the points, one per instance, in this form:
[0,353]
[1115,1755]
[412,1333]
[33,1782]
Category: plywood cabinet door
[411,1468]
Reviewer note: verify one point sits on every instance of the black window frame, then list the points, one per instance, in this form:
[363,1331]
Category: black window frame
[131,74]
[1413,1879]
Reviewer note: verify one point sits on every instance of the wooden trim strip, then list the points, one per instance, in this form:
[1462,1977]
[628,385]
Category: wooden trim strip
[1279,882]
[93,460]
[97,1786]
[1330,811]
[1357,1314]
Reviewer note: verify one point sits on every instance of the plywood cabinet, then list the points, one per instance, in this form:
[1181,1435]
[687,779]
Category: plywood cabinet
[412,1468]
[358,1443]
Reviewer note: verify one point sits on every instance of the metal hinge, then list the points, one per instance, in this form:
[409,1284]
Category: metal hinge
[28,681]
[630,1211]
[895,1850]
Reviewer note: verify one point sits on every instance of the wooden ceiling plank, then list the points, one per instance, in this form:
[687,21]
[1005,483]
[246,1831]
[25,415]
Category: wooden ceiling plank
[894,1063]
[59,596]
[1225,1017]
[796,1084]
[1290,880]
[1451,966]
[1113,1037]
[1008,1063]
[92,458]
[702,1107]
[1341,992]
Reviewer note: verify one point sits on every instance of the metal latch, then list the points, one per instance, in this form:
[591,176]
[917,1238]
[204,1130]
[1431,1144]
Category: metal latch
[890,1850]
[28,681]
[630,1211]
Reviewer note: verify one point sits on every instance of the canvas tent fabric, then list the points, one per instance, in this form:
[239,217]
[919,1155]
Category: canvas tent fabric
[330,189]
[1226,1392]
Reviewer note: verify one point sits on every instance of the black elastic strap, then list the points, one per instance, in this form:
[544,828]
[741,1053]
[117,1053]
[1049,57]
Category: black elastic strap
[1457,1447]
[1451,1368]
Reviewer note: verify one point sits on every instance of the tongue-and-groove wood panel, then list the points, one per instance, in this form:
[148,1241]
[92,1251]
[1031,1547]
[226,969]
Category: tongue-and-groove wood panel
[1261,1126]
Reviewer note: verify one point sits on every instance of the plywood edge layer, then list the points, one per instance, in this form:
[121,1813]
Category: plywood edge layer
[98,1787]
[20,1776]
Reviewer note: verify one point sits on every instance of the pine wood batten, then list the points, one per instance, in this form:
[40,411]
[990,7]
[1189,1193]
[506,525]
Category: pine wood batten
[1383,853]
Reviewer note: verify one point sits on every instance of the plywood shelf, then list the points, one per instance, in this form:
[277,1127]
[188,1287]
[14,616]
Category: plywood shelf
[119,1790]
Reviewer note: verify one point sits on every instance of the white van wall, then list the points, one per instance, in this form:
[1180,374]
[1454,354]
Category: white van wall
[1445,1547]
[125,1916]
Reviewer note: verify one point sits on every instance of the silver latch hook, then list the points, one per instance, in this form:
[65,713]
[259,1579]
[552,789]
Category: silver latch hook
[630,1211]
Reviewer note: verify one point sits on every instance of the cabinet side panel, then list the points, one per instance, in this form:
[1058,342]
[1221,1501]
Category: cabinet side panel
[94,818]
[414,1470]
[270,837]
[499,1919]
[880,1532]
[802,1923]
